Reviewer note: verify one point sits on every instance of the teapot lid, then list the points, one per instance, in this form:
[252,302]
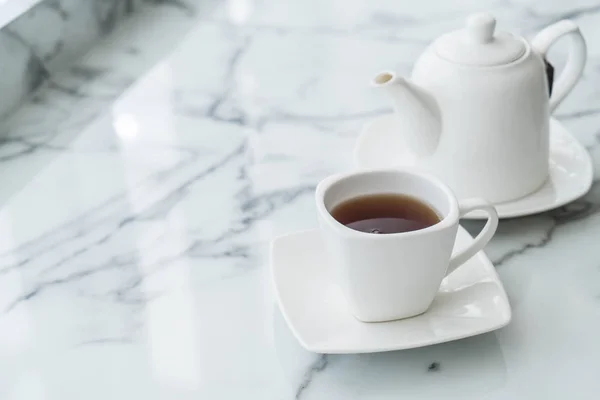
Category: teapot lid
[478,45]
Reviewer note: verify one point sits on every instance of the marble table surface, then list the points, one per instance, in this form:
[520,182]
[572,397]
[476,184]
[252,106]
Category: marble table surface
[134,251]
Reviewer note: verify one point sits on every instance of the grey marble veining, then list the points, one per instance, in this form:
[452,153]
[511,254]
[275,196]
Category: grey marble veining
[33,135]
[50,35]
[135,224]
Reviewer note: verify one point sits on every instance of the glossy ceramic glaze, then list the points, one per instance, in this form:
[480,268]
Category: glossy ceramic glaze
[136,224]
[469,302]
[481,124]
[570,166]
[393,276]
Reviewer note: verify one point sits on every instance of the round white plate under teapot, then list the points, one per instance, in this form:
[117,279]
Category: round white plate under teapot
[570,175]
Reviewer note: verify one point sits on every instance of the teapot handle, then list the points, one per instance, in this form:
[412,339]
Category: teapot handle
[577,57]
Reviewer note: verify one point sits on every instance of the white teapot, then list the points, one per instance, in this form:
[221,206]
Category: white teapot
[476,109]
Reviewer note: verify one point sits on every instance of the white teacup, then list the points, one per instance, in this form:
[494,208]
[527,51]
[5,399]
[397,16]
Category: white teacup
[392,276]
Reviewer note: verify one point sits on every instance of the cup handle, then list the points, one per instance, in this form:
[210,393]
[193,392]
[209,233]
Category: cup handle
[577,57]
[466,206]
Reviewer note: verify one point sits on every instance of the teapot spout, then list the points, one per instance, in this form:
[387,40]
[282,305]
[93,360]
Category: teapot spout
[416,110]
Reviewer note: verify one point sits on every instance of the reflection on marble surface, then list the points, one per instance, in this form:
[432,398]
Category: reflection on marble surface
[32,136]
[12,9]
[134,262]
[39,38]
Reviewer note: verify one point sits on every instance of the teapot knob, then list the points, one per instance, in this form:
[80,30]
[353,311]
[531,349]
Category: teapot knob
[480,27]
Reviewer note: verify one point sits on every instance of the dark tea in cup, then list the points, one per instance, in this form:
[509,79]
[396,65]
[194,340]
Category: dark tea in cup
[385,213]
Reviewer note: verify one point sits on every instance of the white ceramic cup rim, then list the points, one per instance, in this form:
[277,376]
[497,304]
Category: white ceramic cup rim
[451,216]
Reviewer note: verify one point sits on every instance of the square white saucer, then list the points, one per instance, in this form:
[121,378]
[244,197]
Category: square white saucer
[470,301]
